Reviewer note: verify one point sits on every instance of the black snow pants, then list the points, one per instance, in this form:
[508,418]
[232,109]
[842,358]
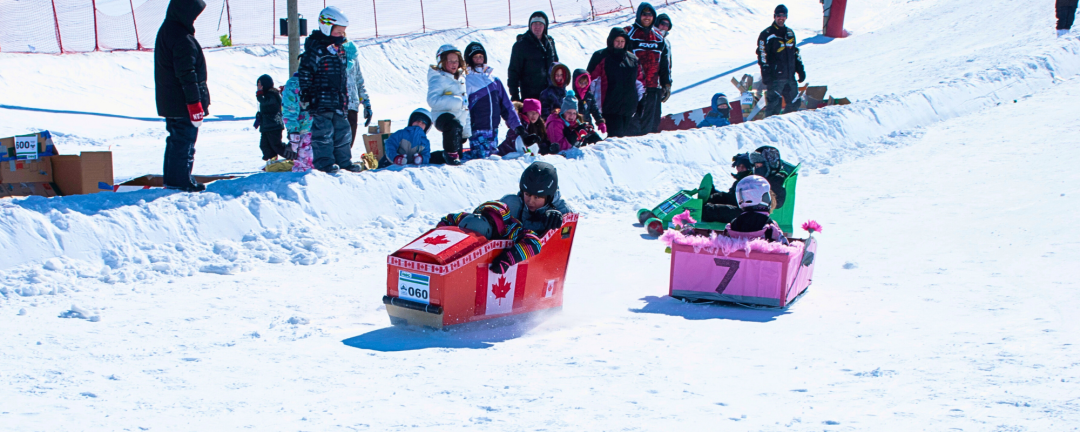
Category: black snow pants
[271,145]
[179,153]
[619,125]
[331,141]
[648,114]
[787,89]
[1066,13]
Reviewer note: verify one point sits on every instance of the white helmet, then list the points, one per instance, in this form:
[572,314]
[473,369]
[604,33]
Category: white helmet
[329,17]
[753,191]
[445,49]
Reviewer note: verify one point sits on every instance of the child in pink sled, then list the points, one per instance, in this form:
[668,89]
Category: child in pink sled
[755,199]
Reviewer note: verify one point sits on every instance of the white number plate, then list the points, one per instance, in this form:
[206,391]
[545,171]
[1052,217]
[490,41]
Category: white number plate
[414,286]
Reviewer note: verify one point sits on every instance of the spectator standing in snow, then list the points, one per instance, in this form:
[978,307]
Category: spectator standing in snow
[587,106]
[1066,13]
[488,105]
[551,98]
[180,91]
[357,93]
[269,121]
[531,59]
[298,124]
[536,138]
[409,145]
[647,43]
[663,23]
[617,75]
[324,88]
[449,101]
[779,60]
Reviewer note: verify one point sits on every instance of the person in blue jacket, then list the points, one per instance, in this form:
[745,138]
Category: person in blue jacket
[488,105]
[720,111]
[410,145]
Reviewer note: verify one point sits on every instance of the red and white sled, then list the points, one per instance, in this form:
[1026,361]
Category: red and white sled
[443,278]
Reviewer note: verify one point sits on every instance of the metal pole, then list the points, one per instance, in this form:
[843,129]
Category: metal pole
[97,46]
[375,15]
[553,19]
[138,43]
[510,14]
[466,2]
[593,10]
[228,14]
[423,21]
[294,36]
[56,22]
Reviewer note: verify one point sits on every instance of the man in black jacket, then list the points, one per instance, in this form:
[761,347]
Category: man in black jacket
[1066,13]
[621,88]
[324,88]
[779,60]
[647,43]
[531,59]
[180,91]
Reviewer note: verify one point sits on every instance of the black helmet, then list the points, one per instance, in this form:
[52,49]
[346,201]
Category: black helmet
[750,161]
[772,157]
[476,224]
[472,49]
[540,179]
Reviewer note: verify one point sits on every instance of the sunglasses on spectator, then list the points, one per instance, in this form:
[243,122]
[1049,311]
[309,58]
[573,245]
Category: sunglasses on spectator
[780,16]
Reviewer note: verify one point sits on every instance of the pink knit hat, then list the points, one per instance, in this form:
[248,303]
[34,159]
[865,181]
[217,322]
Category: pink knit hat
[530,105]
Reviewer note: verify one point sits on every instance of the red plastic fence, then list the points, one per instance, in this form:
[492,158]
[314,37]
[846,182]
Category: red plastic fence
[68,26]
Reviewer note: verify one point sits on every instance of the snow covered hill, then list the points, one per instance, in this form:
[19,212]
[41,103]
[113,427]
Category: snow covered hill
[946,193]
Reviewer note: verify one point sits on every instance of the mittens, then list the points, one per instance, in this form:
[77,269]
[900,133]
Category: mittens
[501,263]
[195,113]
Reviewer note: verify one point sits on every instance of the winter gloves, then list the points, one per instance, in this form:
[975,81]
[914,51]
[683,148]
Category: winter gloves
[195,113]
[501,263]
[367,112]
[399,160]
[288,153]
[258,121]
[602,125]
[402,159]
[665,93]
[802,75]
[552,219]
[526,137]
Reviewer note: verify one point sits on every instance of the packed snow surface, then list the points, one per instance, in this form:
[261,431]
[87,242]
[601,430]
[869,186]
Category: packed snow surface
[942,297]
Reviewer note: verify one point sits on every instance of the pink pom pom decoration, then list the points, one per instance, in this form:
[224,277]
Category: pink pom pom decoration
[683,220]
[812,226]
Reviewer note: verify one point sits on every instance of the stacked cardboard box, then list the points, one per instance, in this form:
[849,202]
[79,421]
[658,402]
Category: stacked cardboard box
[25,170]
[374,140]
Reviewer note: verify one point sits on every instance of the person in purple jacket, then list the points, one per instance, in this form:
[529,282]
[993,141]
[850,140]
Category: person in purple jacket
[488,105]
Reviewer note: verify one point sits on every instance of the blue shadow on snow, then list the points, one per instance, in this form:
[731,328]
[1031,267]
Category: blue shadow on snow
[477,335]
[705,311]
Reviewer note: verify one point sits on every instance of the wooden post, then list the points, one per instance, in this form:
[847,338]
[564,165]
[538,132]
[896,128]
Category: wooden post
[97,46]
[134,22]
[423,21]
[466,2]
[375,16]
[56,22]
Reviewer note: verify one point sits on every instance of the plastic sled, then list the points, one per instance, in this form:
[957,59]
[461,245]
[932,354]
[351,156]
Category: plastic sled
[442,278]
[757,278]
[657,220]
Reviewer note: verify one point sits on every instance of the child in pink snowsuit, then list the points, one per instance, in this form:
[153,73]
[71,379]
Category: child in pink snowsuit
[298,123]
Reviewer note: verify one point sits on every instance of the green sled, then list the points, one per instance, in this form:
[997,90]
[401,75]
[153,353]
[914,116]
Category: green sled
[659,218]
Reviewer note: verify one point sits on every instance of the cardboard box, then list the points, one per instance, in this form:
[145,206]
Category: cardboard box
[373,144]
[373,129]
[11,190]
[23,169]
[90,172]
[156,181]
[384,126]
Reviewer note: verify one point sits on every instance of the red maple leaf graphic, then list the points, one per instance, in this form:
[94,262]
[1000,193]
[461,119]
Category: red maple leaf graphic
[437,240]
[500,288]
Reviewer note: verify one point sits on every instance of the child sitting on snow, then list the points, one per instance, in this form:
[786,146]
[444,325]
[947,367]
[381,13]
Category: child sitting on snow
[565,129]
[529,113]
[720,114]
[268,120]
[493,221]
[298,122]
[553,95]
[409,145]
[756,201]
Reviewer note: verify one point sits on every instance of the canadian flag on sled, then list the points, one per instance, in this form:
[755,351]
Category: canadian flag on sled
[436,241]
[499,293]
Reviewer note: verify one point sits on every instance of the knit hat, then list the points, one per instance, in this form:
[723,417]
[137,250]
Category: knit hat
[781,9]
[530,105]
[569,102]
[539,17]
[266,81]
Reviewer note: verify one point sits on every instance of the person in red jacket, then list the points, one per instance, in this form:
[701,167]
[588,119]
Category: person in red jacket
[647,43]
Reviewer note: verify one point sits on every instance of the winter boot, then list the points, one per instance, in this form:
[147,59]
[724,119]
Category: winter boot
[331,169]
